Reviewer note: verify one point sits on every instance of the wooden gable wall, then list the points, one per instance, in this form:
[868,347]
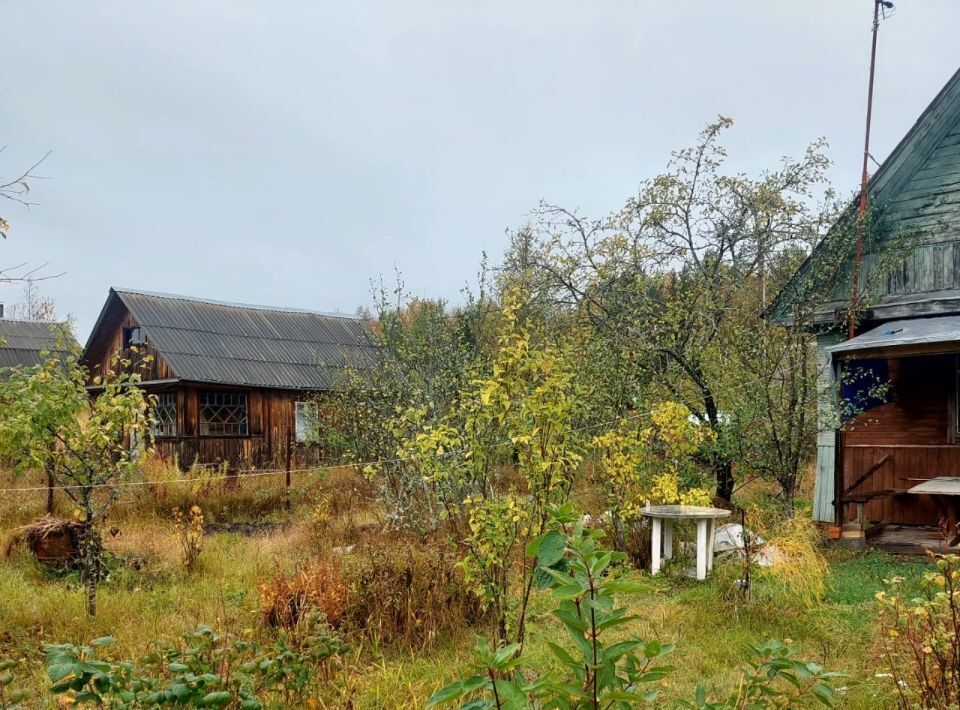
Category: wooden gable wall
[916,197]
[107,341]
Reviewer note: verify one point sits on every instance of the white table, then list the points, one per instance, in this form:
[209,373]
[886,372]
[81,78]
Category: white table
[662,518]
[945,491]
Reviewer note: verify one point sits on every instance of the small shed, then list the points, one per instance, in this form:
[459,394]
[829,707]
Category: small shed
[907,340]
[234,383]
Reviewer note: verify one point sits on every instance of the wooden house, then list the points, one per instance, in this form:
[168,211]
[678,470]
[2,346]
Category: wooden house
[908,337]
[234,384]
[23,342]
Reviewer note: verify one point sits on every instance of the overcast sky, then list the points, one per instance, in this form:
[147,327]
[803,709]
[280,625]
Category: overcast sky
[287,152]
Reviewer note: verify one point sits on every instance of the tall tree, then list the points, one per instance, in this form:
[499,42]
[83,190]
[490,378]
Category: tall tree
[670,281]
[33,304]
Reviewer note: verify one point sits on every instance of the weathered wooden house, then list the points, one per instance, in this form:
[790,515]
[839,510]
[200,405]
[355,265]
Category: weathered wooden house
[908,337]
[235,384]
[23,342]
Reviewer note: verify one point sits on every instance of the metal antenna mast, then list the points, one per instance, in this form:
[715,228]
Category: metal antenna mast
[864,176]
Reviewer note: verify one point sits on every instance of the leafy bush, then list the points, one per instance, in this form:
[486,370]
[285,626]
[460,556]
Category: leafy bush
[650,462]
[285,600]
[523,405]
[206,670]
[774,679]
[10,696]
[921,636]
[321,518]
[596,672]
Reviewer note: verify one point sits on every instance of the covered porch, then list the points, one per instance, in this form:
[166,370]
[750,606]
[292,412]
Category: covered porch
[899,443]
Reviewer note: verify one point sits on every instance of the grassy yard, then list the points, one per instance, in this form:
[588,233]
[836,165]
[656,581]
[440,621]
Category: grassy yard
[149,596]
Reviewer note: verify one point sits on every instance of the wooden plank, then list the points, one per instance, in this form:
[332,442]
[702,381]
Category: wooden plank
[934,183]
[867,474]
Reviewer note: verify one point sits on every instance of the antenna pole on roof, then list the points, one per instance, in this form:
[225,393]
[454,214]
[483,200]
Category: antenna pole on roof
[864,175]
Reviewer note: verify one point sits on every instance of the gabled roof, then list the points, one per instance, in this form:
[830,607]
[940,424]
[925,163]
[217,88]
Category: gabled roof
[22,341]
[916,193]
[237,344]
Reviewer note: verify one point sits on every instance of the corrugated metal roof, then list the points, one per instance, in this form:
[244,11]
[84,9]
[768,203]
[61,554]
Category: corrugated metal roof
[900,333]
[259,346]
[21,341]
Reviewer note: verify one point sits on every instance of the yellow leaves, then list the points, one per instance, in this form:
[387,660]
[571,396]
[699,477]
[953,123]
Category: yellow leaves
[696,496]
[645,459]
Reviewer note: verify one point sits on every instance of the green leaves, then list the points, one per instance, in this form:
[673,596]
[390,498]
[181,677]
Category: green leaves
[595,674]
[548,548]
[49,421]
[772,679]
[496,682]
[209,670]
[10,696]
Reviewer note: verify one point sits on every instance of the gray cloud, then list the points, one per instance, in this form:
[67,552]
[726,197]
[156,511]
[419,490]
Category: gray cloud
[287,152]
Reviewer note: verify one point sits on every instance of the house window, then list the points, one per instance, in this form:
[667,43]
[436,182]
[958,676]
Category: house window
[133,336]
[164,416]
[223,414]
[307,415]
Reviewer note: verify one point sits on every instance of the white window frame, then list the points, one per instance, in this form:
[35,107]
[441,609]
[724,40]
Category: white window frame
[306,416]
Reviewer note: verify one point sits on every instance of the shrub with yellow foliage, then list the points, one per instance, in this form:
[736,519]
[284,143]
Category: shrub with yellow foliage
[650,461]
[920,637]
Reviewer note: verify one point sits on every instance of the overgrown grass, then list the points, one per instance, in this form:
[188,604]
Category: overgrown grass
[149,596]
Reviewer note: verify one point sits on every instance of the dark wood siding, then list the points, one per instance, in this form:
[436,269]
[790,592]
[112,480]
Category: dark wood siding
[109,342]
[915,430]
[270,412]
[271,422]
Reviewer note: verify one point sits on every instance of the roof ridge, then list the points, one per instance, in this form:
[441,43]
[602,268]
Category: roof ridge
[233,304]
[38,321]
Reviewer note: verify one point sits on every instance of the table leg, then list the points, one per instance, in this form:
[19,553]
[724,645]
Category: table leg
[711,532]
[948,517]
[702,549]
[655,545]
[667,539]
[952,520]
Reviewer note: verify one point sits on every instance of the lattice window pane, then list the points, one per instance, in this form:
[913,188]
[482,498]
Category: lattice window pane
[223,414]
[165,416]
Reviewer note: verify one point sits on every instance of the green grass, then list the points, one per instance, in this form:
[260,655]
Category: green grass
[148,597]
[711,638]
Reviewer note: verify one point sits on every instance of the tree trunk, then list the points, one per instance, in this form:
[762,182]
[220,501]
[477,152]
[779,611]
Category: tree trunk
[722,463]
[90,549]
[723,469]
[619,539]
[789,497]
[49,489]
[91,586]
